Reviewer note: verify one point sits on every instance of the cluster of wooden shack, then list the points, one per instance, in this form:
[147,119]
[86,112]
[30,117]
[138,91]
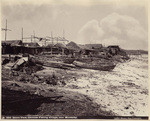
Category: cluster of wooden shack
[19,47]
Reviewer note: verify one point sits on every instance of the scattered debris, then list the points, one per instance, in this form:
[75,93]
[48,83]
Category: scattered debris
[63,71]
[5,61]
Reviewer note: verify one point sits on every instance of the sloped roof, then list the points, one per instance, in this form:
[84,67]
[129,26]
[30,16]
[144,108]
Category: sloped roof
[93,46]
[113,46]
[29,44]
[82,46]
[73,46]
[13,42]
[60,45]
[50,45]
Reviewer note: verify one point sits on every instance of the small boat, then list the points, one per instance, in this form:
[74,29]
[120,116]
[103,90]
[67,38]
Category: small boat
[59,64]
[68,60]
[95,65]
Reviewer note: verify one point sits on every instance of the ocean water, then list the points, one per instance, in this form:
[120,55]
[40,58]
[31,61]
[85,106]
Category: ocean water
[123,91]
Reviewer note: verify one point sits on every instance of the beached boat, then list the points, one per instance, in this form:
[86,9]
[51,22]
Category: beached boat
[68,60]
[59,64]
[95,65]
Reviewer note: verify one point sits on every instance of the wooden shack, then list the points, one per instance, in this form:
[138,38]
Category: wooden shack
[12,47]
[113,49]
[31,48]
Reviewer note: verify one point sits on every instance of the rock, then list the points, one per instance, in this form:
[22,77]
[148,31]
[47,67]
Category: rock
[126,107]
[63,82]
[132,112]
[74,78]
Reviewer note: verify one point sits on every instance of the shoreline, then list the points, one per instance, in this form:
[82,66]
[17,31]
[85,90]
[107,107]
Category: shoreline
[74,104]
[121,86]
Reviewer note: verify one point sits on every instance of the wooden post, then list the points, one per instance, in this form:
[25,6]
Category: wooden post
[34,35]
[52,43]
[9,56]
[6,30]
[51,50]
[62,51]
[63,34]
[52,37]
[45,42]
[31,38]
[22,34]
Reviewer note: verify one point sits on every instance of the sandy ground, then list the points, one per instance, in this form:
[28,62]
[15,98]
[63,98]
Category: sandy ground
[123,91]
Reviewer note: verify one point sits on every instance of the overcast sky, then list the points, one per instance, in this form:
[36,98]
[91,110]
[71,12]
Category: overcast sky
[88,21]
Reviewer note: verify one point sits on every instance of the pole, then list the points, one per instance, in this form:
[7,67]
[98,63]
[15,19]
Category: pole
[63,51]
[6,30]
[52,44]
[63,34]
[52,37]
[22,34]
[34,35]
[51,49]
[31,38]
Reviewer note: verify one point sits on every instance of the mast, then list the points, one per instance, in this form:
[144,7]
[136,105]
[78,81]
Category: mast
[5,29]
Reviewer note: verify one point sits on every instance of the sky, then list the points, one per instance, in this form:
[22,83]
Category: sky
[110,22]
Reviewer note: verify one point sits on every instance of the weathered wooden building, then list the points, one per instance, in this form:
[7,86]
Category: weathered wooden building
[12,47]
[113,49]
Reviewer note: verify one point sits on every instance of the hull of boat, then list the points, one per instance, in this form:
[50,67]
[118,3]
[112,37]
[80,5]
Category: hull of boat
[68,60]
[102,67]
